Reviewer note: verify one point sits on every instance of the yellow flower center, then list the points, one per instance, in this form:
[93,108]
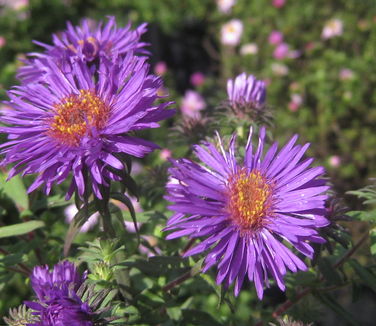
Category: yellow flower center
[76,116]
[249,200]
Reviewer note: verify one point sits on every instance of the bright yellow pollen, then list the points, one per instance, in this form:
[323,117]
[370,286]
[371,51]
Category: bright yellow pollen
[250,200]
[76,115]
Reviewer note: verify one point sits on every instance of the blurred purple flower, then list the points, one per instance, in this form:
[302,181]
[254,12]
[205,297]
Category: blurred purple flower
[346,74]
[231,32]
[250,214]
[160,68]
[76,122]
[71,211]
[278,3]
[197,79]
[275,37]
[281,51]
[246,90]
[192,103]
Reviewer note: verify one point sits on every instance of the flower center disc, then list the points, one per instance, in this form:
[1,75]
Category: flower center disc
[249,200]
[76,116]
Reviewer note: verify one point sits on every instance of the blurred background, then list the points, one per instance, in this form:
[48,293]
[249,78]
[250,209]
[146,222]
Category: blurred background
[317,58]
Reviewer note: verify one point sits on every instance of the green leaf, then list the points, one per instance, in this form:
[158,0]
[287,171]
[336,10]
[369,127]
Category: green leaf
[363,216]
[329,301]
[15,189]
[366,276]
[197,317]
[20,228]
[372,236]
[329,273]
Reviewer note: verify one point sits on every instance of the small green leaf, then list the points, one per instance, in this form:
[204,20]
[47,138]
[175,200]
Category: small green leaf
[20,228]
[15,189]
[327,270]
[366,276]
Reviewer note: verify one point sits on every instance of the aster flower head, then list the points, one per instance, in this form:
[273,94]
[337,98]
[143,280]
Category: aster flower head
[192,103]
[89,42]
[246,90]
[332,28]
[79,122]
[58,302]
[248,214]
[231,32]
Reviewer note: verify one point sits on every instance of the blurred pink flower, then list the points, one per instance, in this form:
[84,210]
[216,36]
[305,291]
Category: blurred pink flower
[278,3]
[225,6]
[165,154]
[275,37]
[332,28]
[282,51]
[249,48]
[71,211]
[191,104]
[346,74]
[295,103]
[279,69]
[15,4]
[197,79]
[334,161]
[160,68]
[3,41]
[231,32]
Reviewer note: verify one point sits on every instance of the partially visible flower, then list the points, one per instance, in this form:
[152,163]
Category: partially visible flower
[332,28]
[346,74]
[47,283]
[165,154]
[3,41]
[279,69]
[275,37]
[295,102]
[160,68]
[246,90]
[225,5]
[231,32]
[71,211]
[249,48]
[281,51]
[197,79]
[192,103]
[15,4]
[89,42]
[278,3]
[252,215]
[334,161]
[76,123]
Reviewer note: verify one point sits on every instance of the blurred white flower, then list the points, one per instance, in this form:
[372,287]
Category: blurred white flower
[279,69]
[71,211]
[346,74]
[225,5]
[231,32]
[334,161]
[192,103]
[249,48]
[332,28]
[295,102]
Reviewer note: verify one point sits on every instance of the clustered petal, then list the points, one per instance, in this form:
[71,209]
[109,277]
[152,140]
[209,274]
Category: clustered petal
[58,303]
[246,90]
[249,215]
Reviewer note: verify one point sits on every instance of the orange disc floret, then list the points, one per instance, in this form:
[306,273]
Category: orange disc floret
[76,116]
[249,200]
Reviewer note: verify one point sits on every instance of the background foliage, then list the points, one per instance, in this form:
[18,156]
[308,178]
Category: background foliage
[337,115]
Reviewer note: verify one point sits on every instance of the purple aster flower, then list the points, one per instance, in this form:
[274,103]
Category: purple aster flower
[58,303]
[249,214]
[89,41]
[80,121]
[246,90]
[64,276]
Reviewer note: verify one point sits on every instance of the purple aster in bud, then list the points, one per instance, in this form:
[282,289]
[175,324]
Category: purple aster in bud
[58,302]
[63,276]
[89,42]
[245,90]
[79,123]
[249,215]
